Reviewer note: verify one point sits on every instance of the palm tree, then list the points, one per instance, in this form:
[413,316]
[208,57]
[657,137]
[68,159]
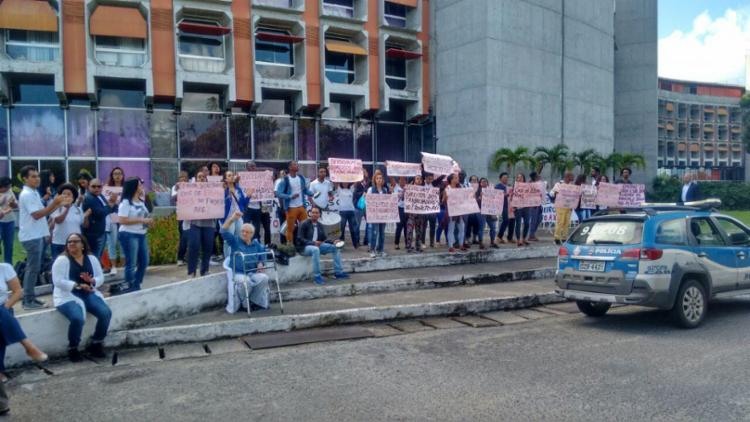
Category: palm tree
[586,160]
[555,157]
[633,160]
[510,157]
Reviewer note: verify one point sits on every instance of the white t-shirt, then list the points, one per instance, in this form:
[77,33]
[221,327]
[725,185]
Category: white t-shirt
[295,184]
[136,209]
[685,189]
[325,187]
[71,224]
[7,273]
[28,228]
[346,199]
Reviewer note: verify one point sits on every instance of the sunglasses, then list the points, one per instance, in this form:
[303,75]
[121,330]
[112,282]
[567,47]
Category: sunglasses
[95,186]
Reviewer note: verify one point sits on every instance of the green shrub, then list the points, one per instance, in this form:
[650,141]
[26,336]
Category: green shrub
[163,240]
[665,189]
[734,196]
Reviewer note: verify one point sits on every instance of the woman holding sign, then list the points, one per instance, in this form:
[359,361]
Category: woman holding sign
[234,201]
[200,235]
[415,222]
[454,222]
[522,218]
[134,223]
[489,220]
[116,178]
[377,230]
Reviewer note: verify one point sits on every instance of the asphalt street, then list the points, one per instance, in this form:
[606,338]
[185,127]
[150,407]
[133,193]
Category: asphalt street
[632,364]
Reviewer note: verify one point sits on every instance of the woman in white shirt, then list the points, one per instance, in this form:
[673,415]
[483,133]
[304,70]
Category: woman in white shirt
[77,275]
[66,219]
[10,330]
[8,203]
[134,223]
[346,211]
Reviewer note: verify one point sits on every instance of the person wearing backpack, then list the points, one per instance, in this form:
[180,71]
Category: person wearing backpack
[292,193]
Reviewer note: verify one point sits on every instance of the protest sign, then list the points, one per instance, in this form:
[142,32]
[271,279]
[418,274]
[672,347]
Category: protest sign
[260,182]
[608,195]
[397,169]
[108,191]
[632,196]
[492,201]
[461,201]
[199,201]
[215,178]
[527,194]
[345,170]
[421,200]
[474,185]
[588,197]
[568,196]
[437,164]
[382,208]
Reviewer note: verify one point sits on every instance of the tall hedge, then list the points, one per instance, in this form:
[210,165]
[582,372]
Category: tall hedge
[163,240]
[733,195]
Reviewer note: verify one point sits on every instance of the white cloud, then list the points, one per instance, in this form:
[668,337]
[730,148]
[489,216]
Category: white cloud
[713,51]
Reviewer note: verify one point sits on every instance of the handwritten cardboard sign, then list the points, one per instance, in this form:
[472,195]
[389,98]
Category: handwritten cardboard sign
[344,170]
[568,196]
[215,178]
[588,197]
[632,196]
[397,169]
[461,201]
[421,200]
[382,208]
[608,195]
[437,164]
[199,201]
[527,194]
[107,191]
[492,201]
[260,182]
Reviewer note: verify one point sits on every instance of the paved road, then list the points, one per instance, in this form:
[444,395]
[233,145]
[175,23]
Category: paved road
[631,365]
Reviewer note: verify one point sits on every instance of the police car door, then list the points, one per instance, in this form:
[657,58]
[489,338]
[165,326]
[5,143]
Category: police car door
[715,255]
[738,238]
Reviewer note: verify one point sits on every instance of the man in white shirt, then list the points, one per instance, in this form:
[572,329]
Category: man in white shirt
[32,231]
[322,189]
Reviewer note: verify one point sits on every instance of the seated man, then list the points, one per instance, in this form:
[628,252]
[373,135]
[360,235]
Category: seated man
[312,236]
[257,281]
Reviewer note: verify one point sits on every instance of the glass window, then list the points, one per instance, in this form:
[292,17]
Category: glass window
[120,51]
[428,139]
[34,92]
[4,166]
[672,232]
[340,67]
[76,166]
[343,8]
[306,139]
[705,233]
[737,234]
[336,139]
[118,97]
[340,109]
[274,138]
[395,14]
[81,132]
[202,101]
[202,46]
[3,132]
[390,142]
[275,59]
[414,144]
[202,135]
[276,3]
[35,46]
[364,140]
[274,107]
[123,133]
[395,73]
[239,137]
[37,131]
[140,169]
[163,177]
[608,232]
[163,129]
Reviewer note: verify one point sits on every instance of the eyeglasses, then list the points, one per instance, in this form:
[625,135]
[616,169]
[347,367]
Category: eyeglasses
[74,241]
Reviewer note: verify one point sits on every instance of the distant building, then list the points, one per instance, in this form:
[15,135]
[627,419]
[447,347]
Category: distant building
[700,130]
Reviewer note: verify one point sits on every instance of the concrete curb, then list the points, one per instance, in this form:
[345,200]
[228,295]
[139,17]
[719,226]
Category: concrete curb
[236,328]
[418,283]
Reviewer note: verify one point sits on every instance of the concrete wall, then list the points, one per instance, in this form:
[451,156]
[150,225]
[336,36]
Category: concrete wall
[522,72]
[636,83]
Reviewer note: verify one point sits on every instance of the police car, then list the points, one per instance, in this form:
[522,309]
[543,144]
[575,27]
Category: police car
[663,255]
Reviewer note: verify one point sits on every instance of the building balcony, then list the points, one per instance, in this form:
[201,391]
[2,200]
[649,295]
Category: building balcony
[280,62]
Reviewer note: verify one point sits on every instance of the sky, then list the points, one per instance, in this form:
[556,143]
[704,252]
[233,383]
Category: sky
[704,40]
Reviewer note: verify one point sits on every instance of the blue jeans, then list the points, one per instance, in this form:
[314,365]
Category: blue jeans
[350,218]
[96,307]
[377,237]
[183,243]
[359,215]
[10,332]
[200,239]
[440,229]
[488,220]
[56,250]
[97,244]
[324,249]
[34,248]
[453,223]
[7,232]
[430,225]
[535,218]
[522,223]
[135,249]
[112,242]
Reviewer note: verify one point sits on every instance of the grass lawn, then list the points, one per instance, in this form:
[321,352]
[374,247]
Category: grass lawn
[743,216]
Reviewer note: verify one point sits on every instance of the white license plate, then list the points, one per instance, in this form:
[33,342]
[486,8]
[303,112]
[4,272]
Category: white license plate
[597,266]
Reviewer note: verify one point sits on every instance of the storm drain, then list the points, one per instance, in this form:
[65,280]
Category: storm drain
[292,338]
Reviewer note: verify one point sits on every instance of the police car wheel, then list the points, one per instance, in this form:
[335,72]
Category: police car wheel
[593,309]
[690,305]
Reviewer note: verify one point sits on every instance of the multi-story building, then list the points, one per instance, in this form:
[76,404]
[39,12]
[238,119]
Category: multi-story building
[700,130]
[155,86]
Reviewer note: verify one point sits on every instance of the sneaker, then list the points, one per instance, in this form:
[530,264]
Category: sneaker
[74,354]
[383,254]
[96,349]
[319,280]
[40,302]
[180,263]
[113,271]
[341,276]
[32,306]
[373,254]
[213,263]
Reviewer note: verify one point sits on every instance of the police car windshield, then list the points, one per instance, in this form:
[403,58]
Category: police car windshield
[609,232]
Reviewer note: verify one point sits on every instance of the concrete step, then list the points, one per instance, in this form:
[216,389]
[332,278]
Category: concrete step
[449,301]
